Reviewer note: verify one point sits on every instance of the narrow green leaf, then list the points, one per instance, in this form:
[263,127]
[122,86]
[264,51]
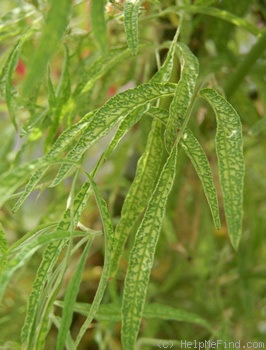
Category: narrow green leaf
[3,251]
[109,242]
[50,90]
[183,95]
[49,260]
[165,312]
[14,178]
[113,111]
[201,164]
[28,248]
[70,298]
[125,126]
[53,30]
[112,313]
[140,191]
[42,164]
[147,169]
[63,93]
[229,148]
[164,73]
[131,11]
[10,90]
[98,24]
[142,255]
[70,345]
[196,154]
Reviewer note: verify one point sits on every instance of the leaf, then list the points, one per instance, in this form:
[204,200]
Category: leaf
[27,249]
[53,30]
[113,111]
[201,164]
[139,193]
[147,170]
[10,90]
[229,148]
[165,312]
[42,163]
[131,11]
[8,71]
[50,257]
[142,255]
[98,24]
[196,154]
[70,298]
[183,95]
[3,251]
[12,179]
[70,345]
[111,313]
[126,124]
[63,93]
[109,242]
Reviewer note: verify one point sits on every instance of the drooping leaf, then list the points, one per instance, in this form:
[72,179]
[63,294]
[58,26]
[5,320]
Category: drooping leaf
[147,169]
[139,192]
[201,164]
[196,154]
[229,148]
[142,254]
[183,96]
[131,11]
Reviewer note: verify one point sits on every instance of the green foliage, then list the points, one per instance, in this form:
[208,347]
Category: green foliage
[107,150]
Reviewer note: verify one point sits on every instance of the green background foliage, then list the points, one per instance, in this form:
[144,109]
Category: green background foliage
[132,194]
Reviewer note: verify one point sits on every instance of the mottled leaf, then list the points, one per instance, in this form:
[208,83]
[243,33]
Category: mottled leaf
[229,148]
[142,255]
[179,107]
[131,11]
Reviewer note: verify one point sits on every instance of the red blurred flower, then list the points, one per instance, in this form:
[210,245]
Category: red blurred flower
[21,68]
